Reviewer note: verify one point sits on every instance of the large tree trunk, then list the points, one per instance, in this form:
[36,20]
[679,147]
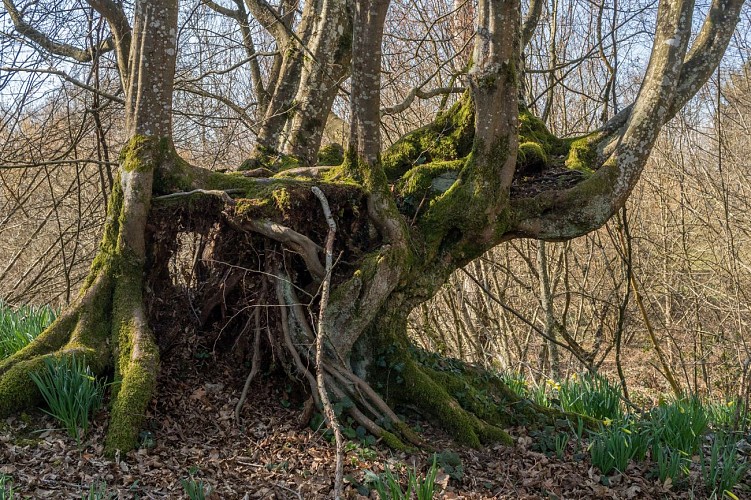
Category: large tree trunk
[107,323]
[263,246]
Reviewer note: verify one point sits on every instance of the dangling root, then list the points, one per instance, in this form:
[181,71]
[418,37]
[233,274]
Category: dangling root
[361,402]
[255,363]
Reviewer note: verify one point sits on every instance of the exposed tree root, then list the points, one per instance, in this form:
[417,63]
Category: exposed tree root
[137,363]
[239,266]
[255,363]
[473,405]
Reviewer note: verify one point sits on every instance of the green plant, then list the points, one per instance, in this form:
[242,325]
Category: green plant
[21,325]
[561,442]
[516,382]
[591,395]
[721,468]
[71,392]
[539,395]
[612,448]
[388,486]
[578,431]
[6,488]
[728,415]
[196,489]
[671,464]
[451,463]
[98,491]
[679,425]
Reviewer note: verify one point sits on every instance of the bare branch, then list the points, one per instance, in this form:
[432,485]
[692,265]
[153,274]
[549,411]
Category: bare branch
[48,44]
[121,31]
[67,78]
[530,22]
[421,94]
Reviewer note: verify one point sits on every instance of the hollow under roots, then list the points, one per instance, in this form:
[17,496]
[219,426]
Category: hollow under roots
[238,282]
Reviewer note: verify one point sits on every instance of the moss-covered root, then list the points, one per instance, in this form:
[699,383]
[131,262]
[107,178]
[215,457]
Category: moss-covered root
[77,333]
[425,389]
[136,365]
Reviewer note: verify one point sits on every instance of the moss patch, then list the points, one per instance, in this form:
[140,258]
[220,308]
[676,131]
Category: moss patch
[531,159]
[534,130]
[277,162]
[424,182]
[402,375]
[582,154]
[449,137]
[330,155]
[137,360]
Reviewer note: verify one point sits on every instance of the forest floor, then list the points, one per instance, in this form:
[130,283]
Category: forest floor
[192,435]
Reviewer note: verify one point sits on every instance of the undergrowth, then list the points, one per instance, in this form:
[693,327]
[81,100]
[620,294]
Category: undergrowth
[19,326]
[71,392]
[672,436]
[388,484]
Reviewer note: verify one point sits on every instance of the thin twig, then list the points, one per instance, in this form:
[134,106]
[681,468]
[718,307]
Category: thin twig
[254,364]
[320,372]
[224,195]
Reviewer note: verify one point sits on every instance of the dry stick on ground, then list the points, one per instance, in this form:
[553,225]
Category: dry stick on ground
[320,372]
[254,364]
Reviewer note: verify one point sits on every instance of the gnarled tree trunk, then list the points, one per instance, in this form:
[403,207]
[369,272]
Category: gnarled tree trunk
[263,245]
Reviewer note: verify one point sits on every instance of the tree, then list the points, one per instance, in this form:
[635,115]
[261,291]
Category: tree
[493,173]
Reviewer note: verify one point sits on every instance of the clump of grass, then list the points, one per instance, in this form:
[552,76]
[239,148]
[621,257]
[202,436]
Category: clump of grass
[721,468]
[615,446]
[671,464]
[98,491]
[592,395]
[6,488]
[728,415]
[679,425]
[388,486]
[19,326]
[516,382]
[71,392]
[196,489]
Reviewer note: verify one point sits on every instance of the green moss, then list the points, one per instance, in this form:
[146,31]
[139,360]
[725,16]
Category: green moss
[469,207]
[531,158]
[92,331]
[330,155]
[582,154]
[534,130]
[409,381]
[143,153]
[108,243]
[272,160]
[282,199]
[449,137]
[136,364]
[393,442]
[17,391]
[418,180]
[339,175]
[129,407]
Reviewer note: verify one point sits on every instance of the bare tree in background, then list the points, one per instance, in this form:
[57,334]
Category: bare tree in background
[408,216]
